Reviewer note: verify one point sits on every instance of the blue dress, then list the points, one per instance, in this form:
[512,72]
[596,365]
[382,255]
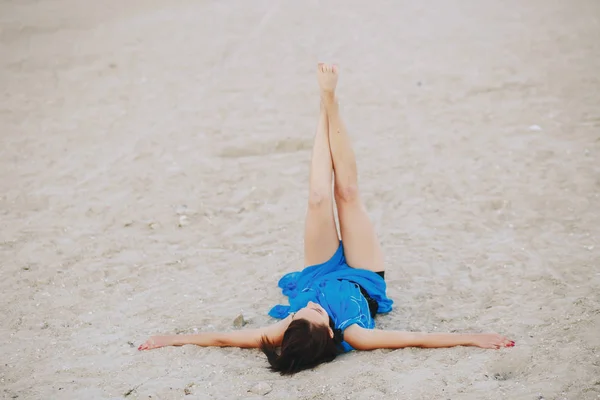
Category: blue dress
[334,285]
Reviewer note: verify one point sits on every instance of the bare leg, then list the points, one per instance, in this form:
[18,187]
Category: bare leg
[320,233]
[361,246]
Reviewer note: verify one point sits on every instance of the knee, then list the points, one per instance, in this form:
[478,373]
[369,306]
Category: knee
[318,198]
[347,193]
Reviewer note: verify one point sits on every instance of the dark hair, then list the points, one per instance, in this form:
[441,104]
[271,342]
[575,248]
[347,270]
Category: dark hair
[304,346]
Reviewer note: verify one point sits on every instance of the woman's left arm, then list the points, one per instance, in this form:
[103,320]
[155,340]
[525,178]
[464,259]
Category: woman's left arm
[370,339]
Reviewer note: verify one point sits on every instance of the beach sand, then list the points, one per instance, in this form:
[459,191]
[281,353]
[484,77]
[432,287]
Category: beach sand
[153,179]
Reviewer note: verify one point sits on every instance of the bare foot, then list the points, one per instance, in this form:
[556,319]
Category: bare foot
[157,341]
[491,341]
[327,76]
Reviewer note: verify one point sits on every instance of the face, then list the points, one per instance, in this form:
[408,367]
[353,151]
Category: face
[313,313]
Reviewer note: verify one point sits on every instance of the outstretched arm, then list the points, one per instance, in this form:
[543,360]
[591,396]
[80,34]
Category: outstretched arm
[370,339]
[247,338]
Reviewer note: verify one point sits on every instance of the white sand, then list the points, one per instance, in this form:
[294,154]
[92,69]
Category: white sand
[477,131]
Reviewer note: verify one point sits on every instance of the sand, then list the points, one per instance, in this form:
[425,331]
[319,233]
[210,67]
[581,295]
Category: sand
[153,179]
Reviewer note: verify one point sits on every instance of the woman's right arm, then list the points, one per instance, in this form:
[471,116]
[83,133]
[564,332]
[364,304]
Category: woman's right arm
[246,338]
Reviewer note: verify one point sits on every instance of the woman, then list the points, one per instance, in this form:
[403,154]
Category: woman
[334,299]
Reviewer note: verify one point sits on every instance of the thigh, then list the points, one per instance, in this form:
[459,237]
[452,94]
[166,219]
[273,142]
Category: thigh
[321,239]
[361,245]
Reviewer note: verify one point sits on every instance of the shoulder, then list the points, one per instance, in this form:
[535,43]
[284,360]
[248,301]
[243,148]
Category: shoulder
[357,336]
[253,337]
[276,331]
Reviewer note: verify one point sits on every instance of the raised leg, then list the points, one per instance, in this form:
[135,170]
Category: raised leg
[361,245]
[320,233]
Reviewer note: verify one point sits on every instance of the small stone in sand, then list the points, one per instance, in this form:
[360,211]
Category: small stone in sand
[183,221]
[261,388]
[239,321]
[188,389]
[502,376]
[154,225]
[535,128]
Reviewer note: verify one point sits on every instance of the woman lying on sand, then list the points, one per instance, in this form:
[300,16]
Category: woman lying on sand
[334,299]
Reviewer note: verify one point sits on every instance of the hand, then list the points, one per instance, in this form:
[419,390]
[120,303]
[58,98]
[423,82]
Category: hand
[491,341]
[156,342]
